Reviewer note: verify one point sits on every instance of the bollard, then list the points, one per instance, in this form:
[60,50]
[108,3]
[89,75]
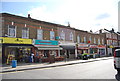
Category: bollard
[14,63]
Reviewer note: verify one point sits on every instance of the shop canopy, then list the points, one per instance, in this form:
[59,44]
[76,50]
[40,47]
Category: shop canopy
[68,47]
[49,48]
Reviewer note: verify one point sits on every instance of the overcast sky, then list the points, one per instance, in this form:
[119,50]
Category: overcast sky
[81,14]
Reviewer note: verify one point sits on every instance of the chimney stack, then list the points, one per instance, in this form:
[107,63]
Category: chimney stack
[68,24]
[29,16]
[100,31]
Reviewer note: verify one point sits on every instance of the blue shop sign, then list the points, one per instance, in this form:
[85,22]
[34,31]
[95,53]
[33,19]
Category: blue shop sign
[57,37]
[45,42]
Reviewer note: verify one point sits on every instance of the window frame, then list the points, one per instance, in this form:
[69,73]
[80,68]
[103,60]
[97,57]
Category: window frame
[11,28]
[41,34]
[52,35]
[62,35]
[27,33]
[71,36]
[78,39]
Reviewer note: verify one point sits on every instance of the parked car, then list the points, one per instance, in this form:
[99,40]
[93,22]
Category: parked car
[117,59]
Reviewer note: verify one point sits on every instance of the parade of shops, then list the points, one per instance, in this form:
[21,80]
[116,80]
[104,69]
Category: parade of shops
[23,37]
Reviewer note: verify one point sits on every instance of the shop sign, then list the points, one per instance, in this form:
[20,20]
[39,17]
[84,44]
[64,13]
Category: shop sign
[1,40]
[9,40]
[111,46]
[57,37]
[101,46]
[83,45]
[45,42]
[93,46]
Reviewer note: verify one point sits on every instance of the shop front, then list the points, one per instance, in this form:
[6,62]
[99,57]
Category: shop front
[69,50]
[93,50]
[110,50]
[15,48]
[82,49]
[46,49]
[101,50]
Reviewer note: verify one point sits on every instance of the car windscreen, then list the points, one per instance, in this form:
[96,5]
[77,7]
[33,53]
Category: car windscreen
[117,53]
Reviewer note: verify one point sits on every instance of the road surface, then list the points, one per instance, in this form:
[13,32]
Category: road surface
[103,69]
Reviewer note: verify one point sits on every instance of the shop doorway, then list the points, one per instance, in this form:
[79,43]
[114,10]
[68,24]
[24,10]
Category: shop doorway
[46,53]
[67,53]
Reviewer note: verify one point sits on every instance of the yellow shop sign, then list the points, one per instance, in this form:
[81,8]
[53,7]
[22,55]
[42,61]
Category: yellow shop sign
[15,40]
[111,46]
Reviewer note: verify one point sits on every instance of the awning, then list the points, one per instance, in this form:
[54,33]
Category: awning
[49,48]
[83,48]
[18,45]
[67,47]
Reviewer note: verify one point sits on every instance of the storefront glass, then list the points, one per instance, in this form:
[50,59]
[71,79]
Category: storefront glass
[102,52]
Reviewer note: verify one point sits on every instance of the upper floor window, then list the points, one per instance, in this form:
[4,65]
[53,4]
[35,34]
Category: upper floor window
[108,35]
[39,34]
[62,35]
[85,40]
[52,35]
[99,41]
[11,31]
[94,40]
[103,41]
[71,36]
[90,38]
[78,39]
[25,33]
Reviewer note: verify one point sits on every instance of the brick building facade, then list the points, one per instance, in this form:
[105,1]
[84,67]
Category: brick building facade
[24,35]
[19,28]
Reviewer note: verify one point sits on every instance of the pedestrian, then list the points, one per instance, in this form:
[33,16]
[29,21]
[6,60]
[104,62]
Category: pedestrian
[32,57]
[65,57]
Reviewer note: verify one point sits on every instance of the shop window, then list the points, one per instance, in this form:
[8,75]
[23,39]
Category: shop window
[72,51]
[62,35]
[62,52]
[71,36]
[102,51]
[54,53]
[25,33]
[93,50]
[52,35]
[39,34]
[11,31]
[46,53]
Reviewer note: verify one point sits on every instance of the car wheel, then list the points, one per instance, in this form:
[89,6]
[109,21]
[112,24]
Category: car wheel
[118,71]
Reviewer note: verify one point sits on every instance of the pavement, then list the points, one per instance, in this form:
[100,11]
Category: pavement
[30,66]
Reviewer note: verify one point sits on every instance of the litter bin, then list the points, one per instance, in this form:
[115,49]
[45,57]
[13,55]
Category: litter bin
[14,63]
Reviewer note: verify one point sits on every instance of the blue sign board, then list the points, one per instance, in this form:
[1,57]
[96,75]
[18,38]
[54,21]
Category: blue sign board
[57,37]
[45,42]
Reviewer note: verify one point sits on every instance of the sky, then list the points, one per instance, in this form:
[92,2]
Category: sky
[81,14]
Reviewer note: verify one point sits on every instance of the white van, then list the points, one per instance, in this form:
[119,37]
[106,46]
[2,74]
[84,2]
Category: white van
[117,59]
